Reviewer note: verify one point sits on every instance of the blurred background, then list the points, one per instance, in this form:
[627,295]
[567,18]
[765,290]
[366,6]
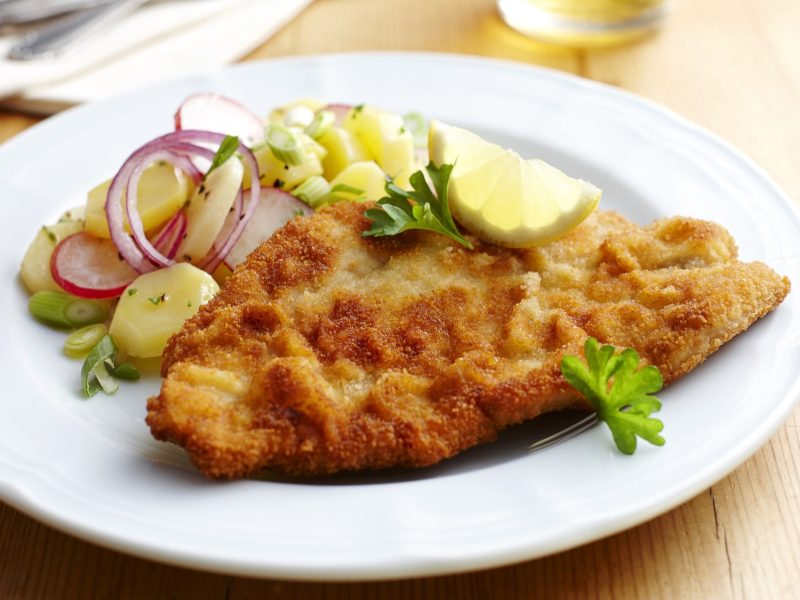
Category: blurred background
[732,66]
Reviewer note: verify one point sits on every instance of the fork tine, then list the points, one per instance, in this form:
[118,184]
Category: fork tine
[587,422]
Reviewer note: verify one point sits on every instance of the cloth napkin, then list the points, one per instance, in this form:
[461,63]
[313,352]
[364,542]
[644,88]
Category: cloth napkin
[160,41]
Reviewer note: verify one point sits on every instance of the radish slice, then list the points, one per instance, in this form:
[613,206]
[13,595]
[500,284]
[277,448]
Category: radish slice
[90,267]
[213,112]
[340,112]
[273,211]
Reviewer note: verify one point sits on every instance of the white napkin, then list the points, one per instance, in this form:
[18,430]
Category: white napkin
[160,41]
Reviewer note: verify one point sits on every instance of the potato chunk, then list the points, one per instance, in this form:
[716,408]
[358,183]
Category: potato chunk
[343,148]
[365,176]
[161,192]
[275,173]
[155,306]
[386,139]
[35,267]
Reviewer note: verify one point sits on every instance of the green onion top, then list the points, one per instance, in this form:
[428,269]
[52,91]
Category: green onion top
[80,342]
[94,375]
[126,371]
[58,308]
[313,191]
[416,124]
[284,144]
[322,124]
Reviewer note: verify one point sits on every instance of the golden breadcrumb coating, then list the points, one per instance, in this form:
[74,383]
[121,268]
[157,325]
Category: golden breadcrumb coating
[327,351]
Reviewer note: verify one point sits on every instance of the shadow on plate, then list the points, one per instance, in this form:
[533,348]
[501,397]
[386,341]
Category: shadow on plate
[511,444]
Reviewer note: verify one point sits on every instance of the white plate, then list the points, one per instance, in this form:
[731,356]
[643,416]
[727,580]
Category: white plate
[91,468]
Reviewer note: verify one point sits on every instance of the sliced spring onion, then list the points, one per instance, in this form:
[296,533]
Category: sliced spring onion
[284,144]
[298,116]
[126,371]
[58,308]
[94,374]
[86,312]
[312,191]
[83,340]
[416,124]
[342,192]
[104,378]
[322,123]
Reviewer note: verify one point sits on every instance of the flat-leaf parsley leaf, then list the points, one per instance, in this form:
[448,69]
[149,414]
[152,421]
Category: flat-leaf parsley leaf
[396,213]
[619,391]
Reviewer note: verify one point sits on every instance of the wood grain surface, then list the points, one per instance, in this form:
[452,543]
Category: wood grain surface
[732,66]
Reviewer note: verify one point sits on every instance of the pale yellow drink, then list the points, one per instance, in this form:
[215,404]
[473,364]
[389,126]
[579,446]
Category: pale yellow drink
[583,22]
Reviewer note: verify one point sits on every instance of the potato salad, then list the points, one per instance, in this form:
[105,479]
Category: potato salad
[154,242]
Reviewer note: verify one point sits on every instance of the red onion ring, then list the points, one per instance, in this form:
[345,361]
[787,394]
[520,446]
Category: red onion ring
[134,219]
[255,189]
[171,235]
[173,147]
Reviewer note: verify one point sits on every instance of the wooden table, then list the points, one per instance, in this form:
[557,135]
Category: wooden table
[730,65]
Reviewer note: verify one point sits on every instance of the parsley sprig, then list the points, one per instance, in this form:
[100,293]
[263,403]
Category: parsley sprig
[619,391]
[397,213]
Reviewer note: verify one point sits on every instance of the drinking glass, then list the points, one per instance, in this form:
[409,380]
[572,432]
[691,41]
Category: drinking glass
[583,23]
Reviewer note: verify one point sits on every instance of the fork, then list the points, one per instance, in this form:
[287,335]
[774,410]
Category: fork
[23,12]
[569,432]
[51,40]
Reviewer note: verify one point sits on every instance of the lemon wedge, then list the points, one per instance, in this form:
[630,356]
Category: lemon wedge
[503,198]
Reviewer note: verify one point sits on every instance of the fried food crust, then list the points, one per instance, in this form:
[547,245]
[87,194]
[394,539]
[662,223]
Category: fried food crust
[327,351]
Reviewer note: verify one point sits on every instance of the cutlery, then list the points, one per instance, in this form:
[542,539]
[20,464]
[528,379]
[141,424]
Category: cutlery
[571,431]
[22,12]
[51,40]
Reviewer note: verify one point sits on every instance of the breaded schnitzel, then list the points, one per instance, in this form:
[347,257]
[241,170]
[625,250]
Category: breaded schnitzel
[327,351]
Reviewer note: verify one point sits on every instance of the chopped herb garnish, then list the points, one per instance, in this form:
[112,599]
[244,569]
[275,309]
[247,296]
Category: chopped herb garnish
[279,183]
[132,291]
[298,212]
[226,149]
[619,390]
[50,235]
[189,304]
[357,109]
[158,299]
[396,213]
